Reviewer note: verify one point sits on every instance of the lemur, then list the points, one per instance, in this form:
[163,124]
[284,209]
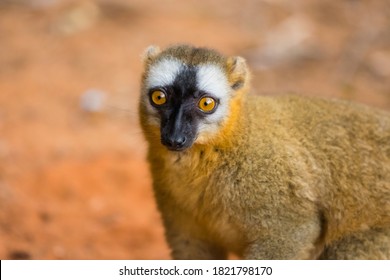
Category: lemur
[285,177]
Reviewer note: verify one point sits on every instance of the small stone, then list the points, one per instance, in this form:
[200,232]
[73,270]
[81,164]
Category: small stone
[19,255]
[93,101]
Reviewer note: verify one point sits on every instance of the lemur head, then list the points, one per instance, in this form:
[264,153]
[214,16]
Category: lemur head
[188,93]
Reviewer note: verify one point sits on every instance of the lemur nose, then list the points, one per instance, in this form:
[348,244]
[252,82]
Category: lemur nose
[176,142]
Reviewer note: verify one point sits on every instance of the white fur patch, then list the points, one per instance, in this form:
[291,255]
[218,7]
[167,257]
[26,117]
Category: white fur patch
[212,80]
[163,73]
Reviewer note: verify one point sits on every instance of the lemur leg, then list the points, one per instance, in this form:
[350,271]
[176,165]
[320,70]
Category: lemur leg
[288,243]
[186,247]
[371,244]
[188,241]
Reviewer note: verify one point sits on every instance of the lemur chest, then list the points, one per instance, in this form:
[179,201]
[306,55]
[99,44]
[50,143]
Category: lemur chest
[197,187]
[193,182]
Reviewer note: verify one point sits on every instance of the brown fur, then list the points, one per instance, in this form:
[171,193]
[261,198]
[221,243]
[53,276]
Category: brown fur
[286,178]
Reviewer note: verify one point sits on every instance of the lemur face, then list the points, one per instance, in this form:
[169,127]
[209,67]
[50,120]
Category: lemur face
[188,101]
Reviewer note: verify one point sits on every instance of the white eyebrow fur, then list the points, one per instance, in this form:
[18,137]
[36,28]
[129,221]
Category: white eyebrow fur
[211,79]
[163,73]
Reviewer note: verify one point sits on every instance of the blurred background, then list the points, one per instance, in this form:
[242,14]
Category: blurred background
[74,183]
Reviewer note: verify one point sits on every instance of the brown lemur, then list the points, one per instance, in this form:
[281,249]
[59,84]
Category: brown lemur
[264,177]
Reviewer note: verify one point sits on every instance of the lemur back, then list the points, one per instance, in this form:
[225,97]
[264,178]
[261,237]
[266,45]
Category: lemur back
[265,177]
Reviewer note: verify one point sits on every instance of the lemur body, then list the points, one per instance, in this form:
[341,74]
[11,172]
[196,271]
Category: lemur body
[267,178]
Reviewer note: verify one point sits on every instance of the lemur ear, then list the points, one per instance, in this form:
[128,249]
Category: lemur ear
[237,72]
[150,53]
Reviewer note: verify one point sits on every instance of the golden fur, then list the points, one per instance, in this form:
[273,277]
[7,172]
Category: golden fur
[285,178]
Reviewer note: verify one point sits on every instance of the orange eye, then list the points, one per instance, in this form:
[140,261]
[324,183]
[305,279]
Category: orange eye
[206,104]
[158,97]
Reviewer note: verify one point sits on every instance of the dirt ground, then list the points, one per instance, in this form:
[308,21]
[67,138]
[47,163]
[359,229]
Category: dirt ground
[74,183]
